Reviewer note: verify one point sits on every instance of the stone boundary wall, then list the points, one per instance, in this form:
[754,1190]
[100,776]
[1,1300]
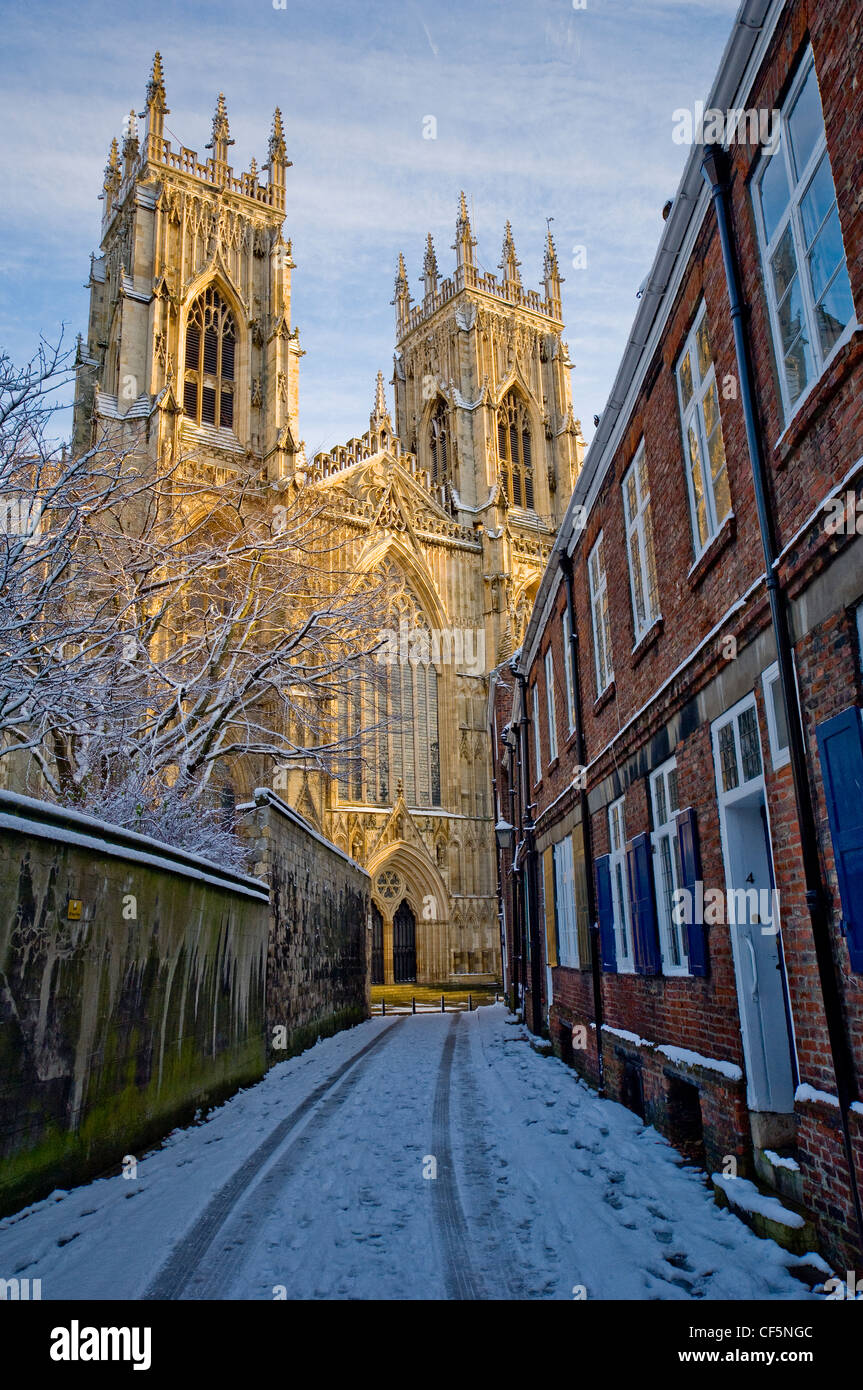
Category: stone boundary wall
[132,992]
[319,956]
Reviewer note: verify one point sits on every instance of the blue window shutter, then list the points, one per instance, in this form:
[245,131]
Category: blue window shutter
[639,870]
[605,909]
[690,863]
[840,746]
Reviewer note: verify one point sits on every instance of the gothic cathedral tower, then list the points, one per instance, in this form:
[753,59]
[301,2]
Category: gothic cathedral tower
[190,354]
[461,498]
[189,346]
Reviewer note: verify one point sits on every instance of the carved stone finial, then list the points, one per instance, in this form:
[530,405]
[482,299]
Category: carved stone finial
[508,262]
[156,86]
[221,132]
[465,241]
[380,414]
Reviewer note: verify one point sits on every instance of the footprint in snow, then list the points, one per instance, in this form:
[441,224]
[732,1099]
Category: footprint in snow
[664,1237]
[614,1200]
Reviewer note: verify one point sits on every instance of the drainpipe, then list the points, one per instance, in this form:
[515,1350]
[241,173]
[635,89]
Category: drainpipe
[581,753]
[531,894]
[716,169]
[517,874]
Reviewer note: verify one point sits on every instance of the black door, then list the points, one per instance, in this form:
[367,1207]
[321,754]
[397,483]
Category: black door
[404,946]
[377,946]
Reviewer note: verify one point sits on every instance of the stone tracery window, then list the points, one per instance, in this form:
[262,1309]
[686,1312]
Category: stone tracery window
[514,450]
[208,380]
[396,704]
[439,443]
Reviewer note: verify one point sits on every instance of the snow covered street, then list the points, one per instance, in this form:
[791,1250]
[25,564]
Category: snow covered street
[435,1156]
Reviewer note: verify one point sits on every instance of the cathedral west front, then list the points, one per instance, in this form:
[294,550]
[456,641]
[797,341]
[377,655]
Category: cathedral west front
[454,492]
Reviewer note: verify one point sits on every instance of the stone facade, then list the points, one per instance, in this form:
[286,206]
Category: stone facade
[318,955]
[457,499]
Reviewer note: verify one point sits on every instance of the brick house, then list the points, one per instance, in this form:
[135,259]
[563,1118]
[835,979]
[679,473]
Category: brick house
[678,744]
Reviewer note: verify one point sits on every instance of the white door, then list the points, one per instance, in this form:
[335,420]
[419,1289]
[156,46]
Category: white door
[752,913]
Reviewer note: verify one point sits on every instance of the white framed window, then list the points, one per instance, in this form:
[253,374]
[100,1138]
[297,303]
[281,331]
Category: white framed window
[706,473]
[567,663]
[537,746]
[777,725]
[738,748]
[599,613]
[803,255]
[619,895]
[564,891]
[639,545]
[550,709]
[666,867]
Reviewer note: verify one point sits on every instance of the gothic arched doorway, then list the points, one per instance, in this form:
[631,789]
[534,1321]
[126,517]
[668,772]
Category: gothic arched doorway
[377,946]
[404,945]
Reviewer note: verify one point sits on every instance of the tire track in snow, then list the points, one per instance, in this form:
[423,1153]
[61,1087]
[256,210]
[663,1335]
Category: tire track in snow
[461,1279]
[183,1264]
[472,1109]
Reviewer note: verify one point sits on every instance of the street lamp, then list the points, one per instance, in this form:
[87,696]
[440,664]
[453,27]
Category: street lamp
[505,834]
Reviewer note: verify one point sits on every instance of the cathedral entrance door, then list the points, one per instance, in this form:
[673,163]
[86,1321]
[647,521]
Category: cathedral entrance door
[404,945]
[377,946]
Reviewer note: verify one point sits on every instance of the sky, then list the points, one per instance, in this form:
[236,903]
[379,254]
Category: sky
[541,110]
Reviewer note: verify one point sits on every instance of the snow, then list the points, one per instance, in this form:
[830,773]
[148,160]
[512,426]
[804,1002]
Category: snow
[744,1194]
[778,1161]
[550,1188]
[626,1035]
[857,1107]
[805,1092]
[230,882]
[695,1059]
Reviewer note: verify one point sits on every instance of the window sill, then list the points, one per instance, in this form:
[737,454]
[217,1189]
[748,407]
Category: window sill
[819,395]
[715,547]
[553,765]
[647,639]
[605,698]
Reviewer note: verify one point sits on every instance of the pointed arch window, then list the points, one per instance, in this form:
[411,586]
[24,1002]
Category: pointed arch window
[439,443]
[208,380]
[390,718]
[514,450]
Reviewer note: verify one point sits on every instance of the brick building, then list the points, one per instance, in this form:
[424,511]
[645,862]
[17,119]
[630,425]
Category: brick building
[678,744]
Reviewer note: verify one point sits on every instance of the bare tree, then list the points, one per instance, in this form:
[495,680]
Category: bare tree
[156,625]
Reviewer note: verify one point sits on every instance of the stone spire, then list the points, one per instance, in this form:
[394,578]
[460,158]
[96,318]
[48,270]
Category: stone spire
[402,296]
[157,106]
[131,144]
[508,262]
[551,272]
[221,133]
[380,414]
[465,241]
[113,173]
[430,270]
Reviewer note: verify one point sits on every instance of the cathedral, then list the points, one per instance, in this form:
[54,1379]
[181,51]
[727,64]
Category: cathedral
[455,493]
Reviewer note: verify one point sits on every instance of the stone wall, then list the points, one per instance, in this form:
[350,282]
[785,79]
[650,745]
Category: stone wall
[318,964]
[132,992]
